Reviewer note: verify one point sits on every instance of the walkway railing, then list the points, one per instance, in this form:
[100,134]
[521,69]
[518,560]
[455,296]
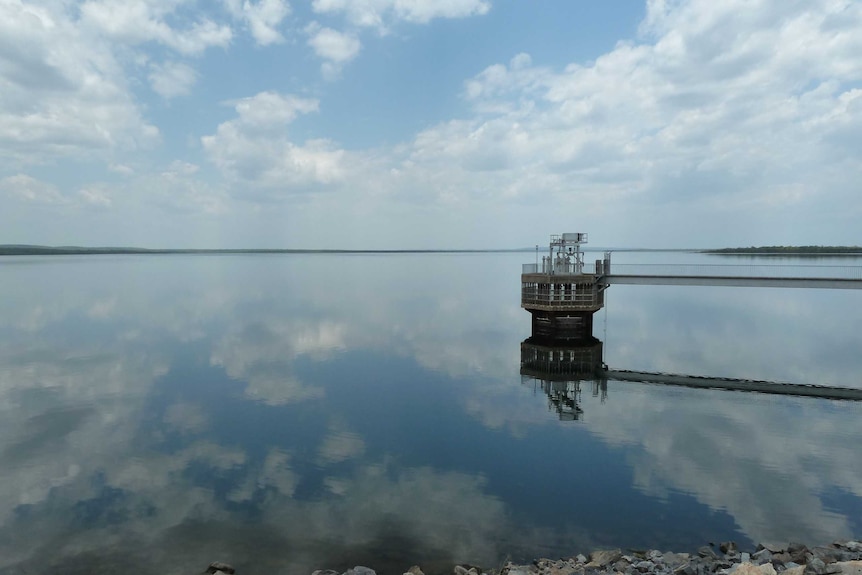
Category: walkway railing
[556,269]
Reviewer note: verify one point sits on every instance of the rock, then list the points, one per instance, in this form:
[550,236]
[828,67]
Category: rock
[817,566]
[674,560]
[645,566]
[464,570]
[415,570]
[795,570]
[219,566]
[849,567]
[773,547]
[603,558]
[360,570]
[762,556]
[752,569]
[580,558]
[685,569]
[325,572]
[727,546]
[798,552]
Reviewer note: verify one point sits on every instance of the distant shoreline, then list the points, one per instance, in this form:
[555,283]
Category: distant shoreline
[789,251]
[35,250]
[27,250]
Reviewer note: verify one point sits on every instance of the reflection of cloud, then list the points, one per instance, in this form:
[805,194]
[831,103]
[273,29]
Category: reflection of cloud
[275,473]
[261,353]
[277,390]
[185,418]
[759,458]
[340,446]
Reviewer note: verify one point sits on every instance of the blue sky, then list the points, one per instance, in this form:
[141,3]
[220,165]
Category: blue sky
[429,123]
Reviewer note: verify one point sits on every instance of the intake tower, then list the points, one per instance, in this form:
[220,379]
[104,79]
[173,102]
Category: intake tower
[560,293]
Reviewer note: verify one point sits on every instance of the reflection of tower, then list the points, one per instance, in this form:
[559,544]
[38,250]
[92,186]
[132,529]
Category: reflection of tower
[560,367]
[560,296]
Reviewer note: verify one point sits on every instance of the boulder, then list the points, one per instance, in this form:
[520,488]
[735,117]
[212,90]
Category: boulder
[219,566]
[415,570]
[762,556]
[600,559]
[849,567]
[752,569]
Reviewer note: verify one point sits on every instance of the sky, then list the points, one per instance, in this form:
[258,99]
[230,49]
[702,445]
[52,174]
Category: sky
[386,124]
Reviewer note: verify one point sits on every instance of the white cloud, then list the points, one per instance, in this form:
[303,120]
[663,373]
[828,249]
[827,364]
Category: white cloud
[61,91]
[719,106]
[172,79]
[254,152]
[336,48]
[137,21]
[262,18]
[95,196]
[29,189]
[378,13]
[270,109]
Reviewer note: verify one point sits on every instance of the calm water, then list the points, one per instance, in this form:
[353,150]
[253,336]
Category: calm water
[286,413]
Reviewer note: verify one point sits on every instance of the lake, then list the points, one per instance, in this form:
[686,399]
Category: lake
[285,413]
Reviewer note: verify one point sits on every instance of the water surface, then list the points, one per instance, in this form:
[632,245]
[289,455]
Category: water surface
[290,412]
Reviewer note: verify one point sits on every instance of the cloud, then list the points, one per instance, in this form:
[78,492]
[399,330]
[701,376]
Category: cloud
[255,154]
[62,92]
[379,13]
[138,21]
[172,79]
[95,196]
[29,189]
[335,47]
[262,18]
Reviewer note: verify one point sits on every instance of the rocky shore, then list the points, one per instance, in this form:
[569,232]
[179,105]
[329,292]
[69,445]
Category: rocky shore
[838,558]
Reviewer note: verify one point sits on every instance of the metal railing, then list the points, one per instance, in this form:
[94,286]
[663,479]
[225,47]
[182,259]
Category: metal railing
[557,269]
[561,299]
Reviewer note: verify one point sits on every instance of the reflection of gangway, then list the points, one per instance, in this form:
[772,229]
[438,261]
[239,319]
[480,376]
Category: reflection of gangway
[560,368]
[730,384]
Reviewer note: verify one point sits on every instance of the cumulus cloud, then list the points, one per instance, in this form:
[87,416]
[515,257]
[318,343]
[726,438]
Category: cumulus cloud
[254,150]
[30,189]
[137,21]
[172,79]
[62,92]
[262,18]
[95,196]
[714,108]
[378,13]
[337,48]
